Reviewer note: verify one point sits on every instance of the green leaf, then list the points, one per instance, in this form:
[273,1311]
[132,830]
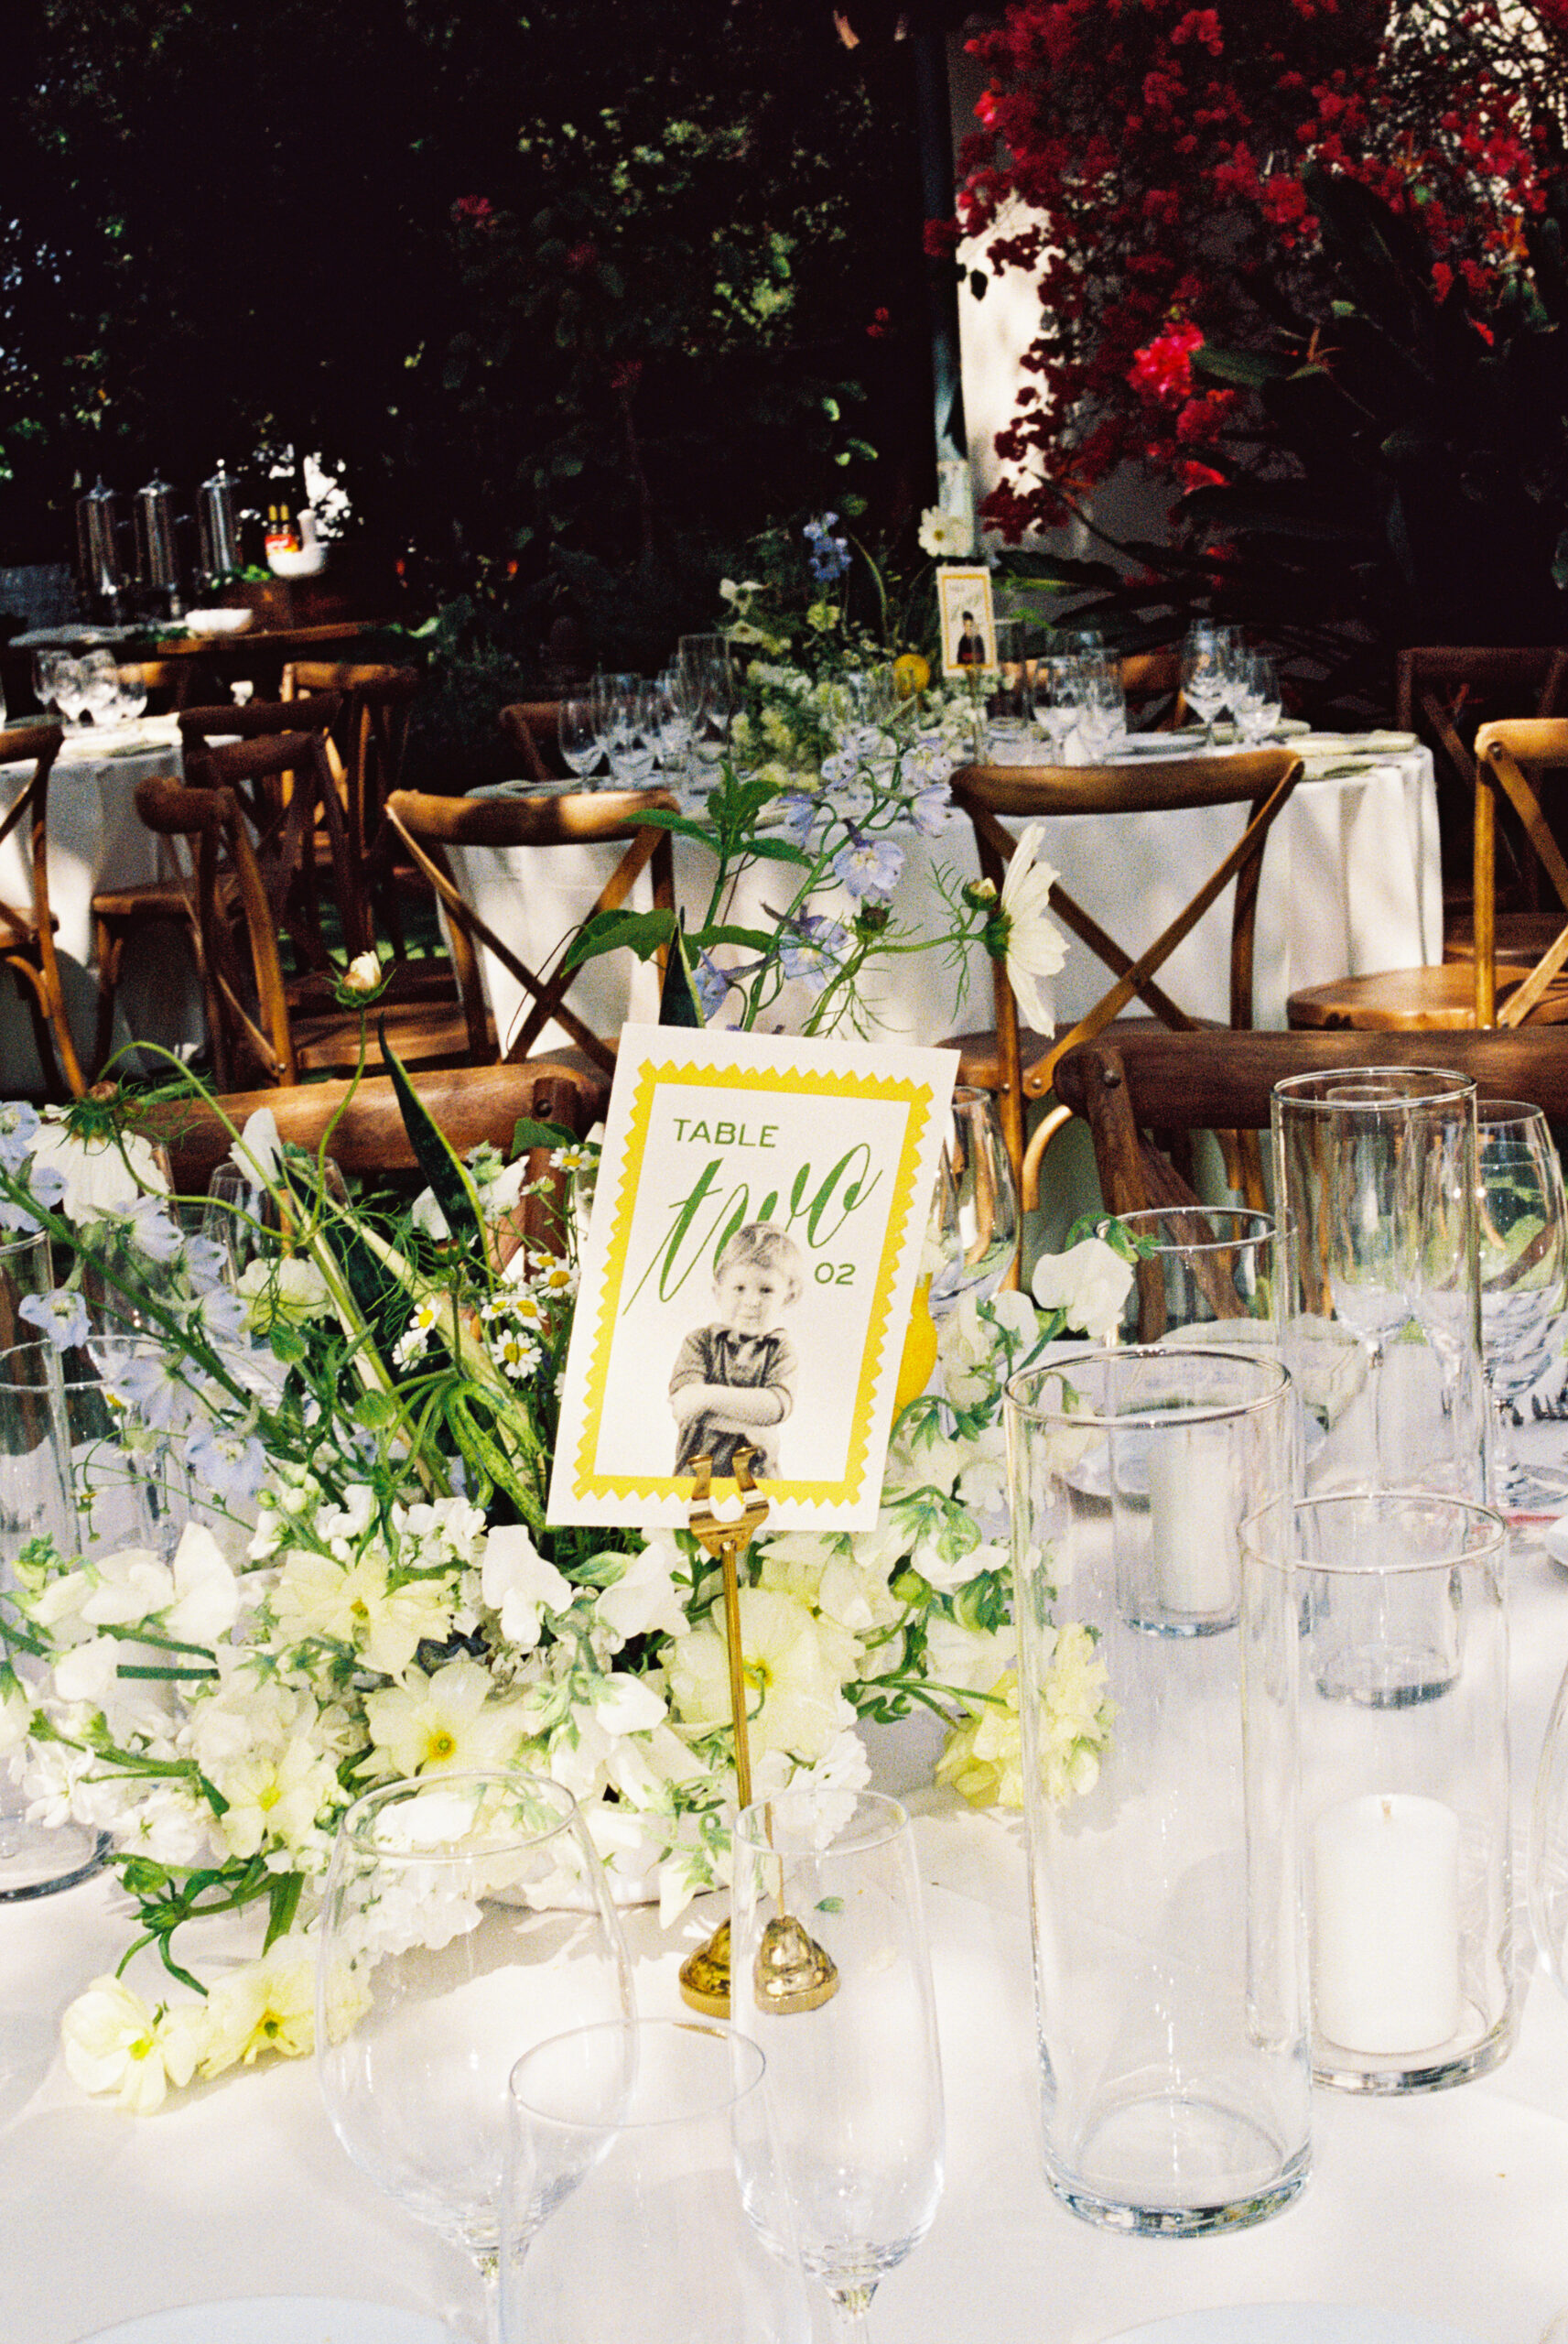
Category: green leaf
[1249,369]
[645,933]
[679,1002]
[282,1903]
[288,1345]
[529,1133]
[374,1411]
[448,1182]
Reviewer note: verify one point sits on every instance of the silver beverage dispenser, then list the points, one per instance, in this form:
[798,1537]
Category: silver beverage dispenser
[158,558]
[220,535]
[101,579]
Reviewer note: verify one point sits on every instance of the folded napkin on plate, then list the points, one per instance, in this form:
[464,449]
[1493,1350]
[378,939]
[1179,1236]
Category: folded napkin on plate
[1341,744]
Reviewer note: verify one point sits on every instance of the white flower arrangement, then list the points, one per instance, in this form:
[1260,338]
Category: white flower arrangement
[374,1611]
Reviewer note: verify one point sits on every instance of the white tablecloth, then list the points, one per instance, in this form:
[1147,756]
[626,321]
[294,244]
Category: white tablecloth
[96,840]
[1454,2207]
[1351,883]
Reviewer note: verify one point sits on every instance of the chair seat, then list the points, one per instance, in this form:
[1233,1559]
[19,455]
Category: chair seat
[429,1035]
[979,1056]
[157,899]
[1521,936]
[1412,1000]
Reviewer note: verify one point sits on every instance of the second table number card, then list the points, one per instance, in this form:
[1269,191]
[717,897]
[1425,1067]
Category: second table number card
[758,1222]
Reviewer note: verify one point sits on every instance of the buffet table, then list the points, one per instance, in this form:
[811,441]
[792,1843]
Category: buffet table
[1454,2207]
[1351,882]
[97,839]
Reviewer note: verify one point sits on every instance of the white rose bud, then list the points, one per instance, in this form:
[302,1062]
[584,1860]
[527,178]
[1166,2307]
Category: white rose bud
[363,974]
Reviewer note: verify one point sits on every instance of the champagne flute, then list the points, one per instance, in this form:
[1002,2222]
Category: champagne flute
[629,2151]
[447,1947]
[854,2079]
[1524,1268]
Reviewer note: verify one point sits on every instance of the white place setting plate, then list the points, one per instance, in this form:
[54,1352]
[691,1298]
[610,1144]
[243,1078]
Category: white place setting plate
[279,2319]
[1554,1541]
[1292,2324]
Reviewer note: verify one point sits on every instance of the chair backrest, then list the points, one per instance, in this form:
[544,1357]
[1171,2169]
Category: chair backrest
[532,728]
[26,930]
[287,800]
[428,826]
[1150,679]
[1508,757]
[367,739]
[236,937]
[1445,692]
[1144,1078]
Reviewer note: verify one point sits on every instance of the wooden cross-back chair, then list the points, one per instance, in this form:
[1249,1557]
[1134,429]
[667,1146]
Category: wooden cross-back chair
[1444,693]
[26,930]
[368,1136]
[265,1025]
[1142,1078]
[121,914]
[532,726]
[1510,978]
[366,742]
[428,827]
[1020,1066]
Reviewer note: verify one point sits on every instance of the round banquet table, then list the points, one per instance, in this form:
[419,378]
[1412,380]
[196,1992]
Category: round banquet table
[97,839]
[1454,2205]
[1351,883]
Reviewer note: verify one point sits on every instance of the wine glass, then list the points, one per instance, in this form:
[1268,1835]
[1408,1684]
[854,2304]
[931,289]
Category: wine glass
[1205,678]
[1102,713]
[1054,710]
[1524,1266]
[70,691]
[133,690]
[576,727]
[975,1211]
[633,739]
[629,2151]
[46,677]
[466,1918]
[1255,697]
[854,2077]
[101,687]
[35,1502]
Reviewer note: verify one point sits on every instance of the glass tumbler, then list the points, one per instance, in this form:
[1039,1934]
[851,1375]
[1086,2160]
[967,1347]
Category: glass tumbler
[1204,1274]
[1380,1319]
[1376,1629]
[1170,1956]
[625,2215]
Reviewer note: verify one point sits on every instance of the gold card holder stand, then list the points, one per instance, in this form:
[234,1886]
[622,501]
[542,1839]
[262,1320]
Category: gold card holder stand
[793,1971]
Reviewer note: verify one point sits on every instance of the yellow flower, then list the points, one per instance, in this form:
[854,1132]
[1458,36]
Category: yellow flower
[911,674]
[114,2042]
[269,2005]
[796,1666]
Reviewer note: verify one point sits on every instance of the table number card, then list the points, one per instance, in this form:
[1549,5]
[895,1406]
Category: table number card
[757,1227]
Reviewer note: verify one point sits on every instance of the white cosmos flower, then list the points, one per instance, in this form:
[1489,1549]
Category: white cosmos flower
[1036,947]
[1090,1282]
[102,1176]
[944,536]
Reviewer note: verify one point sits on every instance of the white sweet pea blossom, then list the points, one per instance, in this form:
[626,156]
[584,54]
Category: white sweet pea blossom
[206,1593]
[519,1584]
[260,1147]
[1036,947]
[285,1291]
[645,1599]
[1090,1282]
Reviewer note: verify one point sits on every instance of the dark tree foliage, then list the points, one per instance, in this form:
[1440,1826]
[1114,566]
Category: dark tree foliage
[574,295]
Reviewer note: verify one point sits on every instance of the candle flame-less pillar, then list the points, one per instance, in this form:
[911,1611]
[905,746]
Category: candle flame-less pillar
[1386,1932]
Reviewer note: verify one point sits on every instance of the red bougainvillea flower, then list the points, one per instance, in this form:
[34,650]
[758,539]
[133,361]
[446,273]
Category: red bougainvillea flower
[580,256]
[1163,369]
[880,326]
[626,374]
[474,211]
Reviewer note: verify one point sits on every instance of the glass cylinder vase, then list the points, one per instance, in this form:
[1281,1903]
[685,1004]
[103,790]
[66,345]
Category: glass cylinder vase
[1375,1181]
[1376,1629]
[1169,1946]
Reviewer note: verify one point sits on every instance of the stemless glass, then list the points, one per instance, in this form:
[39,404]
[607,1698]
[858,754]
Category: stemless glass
[35,1502]
[625,2218]
[1548,1861]
[466,1918]
[854,2078]
[1204,1274]
[1169,1970]
[1524,1266]
[975,1211]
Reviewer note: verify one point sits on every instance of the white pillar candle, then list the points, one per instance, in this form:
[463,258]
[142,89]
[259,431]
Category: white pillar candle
[1192,1523]
[1386,1924]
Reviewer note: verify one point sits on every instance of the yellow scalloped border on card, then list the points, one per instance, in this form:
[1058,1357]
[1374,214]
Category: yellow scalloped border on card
[801,1081]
